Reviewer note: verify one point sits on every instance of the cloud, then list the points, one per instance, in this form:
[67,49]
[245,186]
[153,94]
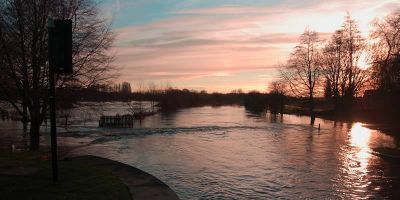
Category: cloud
[229,44]
[389,7]
[224,10]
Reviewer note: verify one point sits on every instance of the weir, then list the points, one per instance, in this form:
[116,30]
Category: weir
[118,121]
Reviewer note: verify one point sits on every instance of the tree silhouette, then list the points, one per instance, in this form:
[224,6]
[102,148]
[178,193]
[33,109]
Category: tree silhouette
[385,53]
[303,71]
[354,47]
[339,60]
[24,53]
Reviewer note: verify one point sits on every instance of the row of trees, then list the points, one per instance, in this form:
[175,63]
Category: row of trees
[124,87]
[332,68]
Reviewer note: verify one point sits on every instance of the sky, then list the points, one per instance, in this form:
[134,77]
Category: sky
[221,45]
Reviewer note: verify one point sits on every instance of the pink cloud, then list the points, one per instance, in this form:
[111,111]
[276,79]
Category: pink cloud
[231,43]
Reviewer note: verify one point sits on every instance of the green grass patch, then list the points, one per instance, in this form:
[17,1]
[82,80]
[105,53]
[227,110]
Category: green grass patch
[28,176]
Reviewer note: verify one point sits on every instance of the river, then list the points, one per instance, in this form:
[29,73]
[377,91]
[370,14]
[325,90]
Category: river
[229,153]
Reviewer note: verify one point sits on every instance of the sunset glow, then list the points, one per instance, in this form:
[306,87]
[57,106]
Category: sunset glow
[222,45]
[199,99]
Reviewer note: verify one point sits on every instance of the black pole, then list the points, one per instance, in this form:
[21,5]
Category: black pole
[52,100]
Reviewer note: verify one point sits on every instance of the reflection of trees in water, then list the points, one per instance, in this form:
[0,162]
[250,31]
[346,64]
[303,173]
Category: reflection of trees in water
[266,115]
[275,118]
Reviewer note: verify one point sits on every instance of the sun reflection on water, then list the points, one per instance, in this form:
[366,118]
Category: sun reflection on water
[360,138]
[358,157]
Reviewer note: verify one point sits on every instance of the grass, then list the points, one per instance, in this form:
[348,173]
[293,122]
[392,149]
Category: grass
[28,175]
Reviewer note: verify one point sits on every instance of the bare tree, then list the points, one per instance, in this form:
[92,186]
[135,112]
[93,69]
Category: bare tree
[277,87]
[332,61]
[140,90]
[24,53]
[237,91]
[354,47]
[385,52]
[344,78]
[277,91]
[153,91]
[303,71]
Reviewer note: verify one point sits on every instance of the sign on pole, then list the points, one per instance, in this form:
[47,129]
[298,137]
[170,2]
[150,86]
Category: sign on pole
[60,61]
[62,46]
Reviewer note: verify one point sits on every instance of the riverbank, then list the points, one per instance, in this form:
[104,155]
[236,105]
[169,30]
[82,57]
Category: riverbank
[140,184]
[27,175]
[385,123]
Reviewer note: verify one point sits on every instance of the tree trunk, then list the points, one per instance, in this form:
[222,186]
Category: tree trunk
[34,134]
[24,116]
[311,104]
[35,121]
[336,103]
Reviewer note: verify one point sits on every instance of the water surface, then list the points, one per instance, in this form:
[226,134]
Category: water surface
[229,153]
